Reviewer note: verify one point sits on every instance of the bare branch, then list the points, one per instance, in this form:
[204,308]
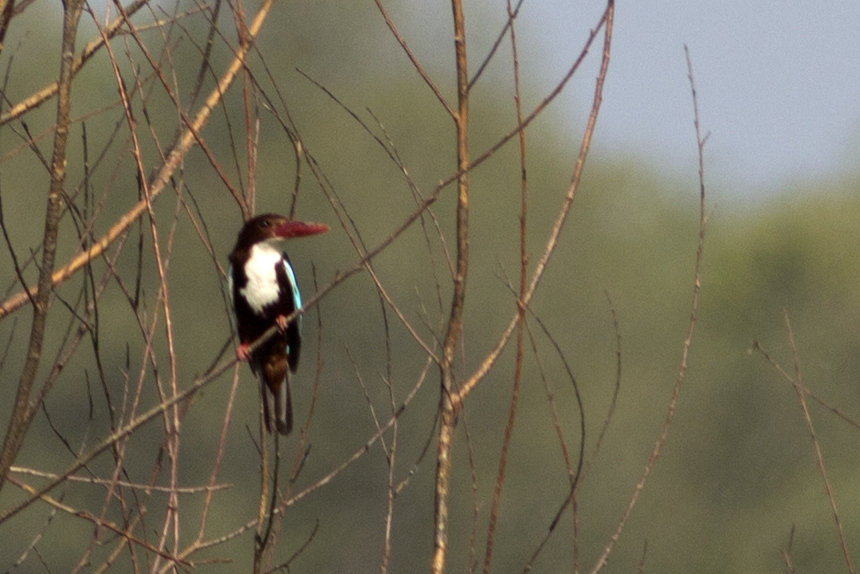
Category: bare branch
[682,369]
[23,411]
[173,161]
[49,91]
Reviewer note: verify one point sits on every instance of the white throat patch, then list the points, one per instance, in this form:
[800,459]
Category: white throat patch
[262,287]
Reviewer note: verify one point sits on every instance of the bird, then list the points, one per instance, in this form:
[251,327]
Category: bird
[264,293]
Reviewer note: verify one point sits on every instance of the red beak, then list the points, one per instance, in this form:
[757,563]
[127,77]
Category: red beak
[292,229]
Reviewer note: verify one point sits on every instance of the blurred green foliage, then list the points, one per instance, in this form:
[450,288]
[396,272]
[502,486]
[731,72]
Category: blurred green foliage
[738,469]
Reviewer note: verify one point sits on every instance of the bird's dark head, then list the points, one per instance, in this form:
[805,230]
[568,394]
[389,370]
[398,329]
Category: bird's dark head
[272,226]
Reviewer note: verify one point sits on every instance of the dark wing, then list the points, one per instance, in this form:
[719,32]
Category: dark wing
[290,300]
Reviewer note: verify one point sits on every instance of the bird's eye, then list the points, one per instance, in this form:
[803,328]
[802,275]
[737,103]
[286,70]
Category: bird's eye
[265,223]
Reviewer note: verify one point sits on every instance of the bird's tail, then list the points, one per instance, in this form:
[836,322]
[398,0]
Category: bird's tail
[277,400]
[284,408]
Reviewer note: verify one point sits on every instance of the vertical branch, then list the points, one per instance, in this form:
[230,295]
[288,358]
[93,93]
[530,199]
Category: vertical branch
[261,537]
[461,120]
[23,412]
[250,132]
[518,365]
[449,400]
[567,203]
[219,455]
[171,418]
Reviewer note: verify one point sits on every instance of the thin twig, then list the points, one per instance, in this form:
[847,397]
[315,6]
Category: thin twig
[414,60]
[174,159]
[524,262]
[786,554]
[49,91]
[682,369]
[819,457]
[567,203]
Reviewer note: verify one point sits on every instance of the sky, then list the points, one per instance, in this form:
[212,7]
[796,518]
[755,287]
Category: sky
[778,81]
[778,84]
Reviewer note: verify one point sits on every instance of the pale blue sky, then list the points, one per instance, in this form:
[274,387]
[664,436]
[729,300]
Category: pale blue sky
[778,83]
[778,80]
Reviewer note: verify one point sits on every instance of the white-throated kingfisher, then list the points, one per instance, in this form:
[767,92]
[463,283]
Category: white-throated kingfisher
[265,293]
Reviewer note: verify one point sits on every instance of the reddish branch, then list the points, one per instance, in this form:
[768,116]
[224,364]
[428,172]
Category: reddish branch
[452,397]
[521,308]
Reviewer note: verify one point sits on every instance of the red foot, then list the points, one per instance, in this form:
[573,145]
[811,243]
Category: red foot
[242,353]
[281,322]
